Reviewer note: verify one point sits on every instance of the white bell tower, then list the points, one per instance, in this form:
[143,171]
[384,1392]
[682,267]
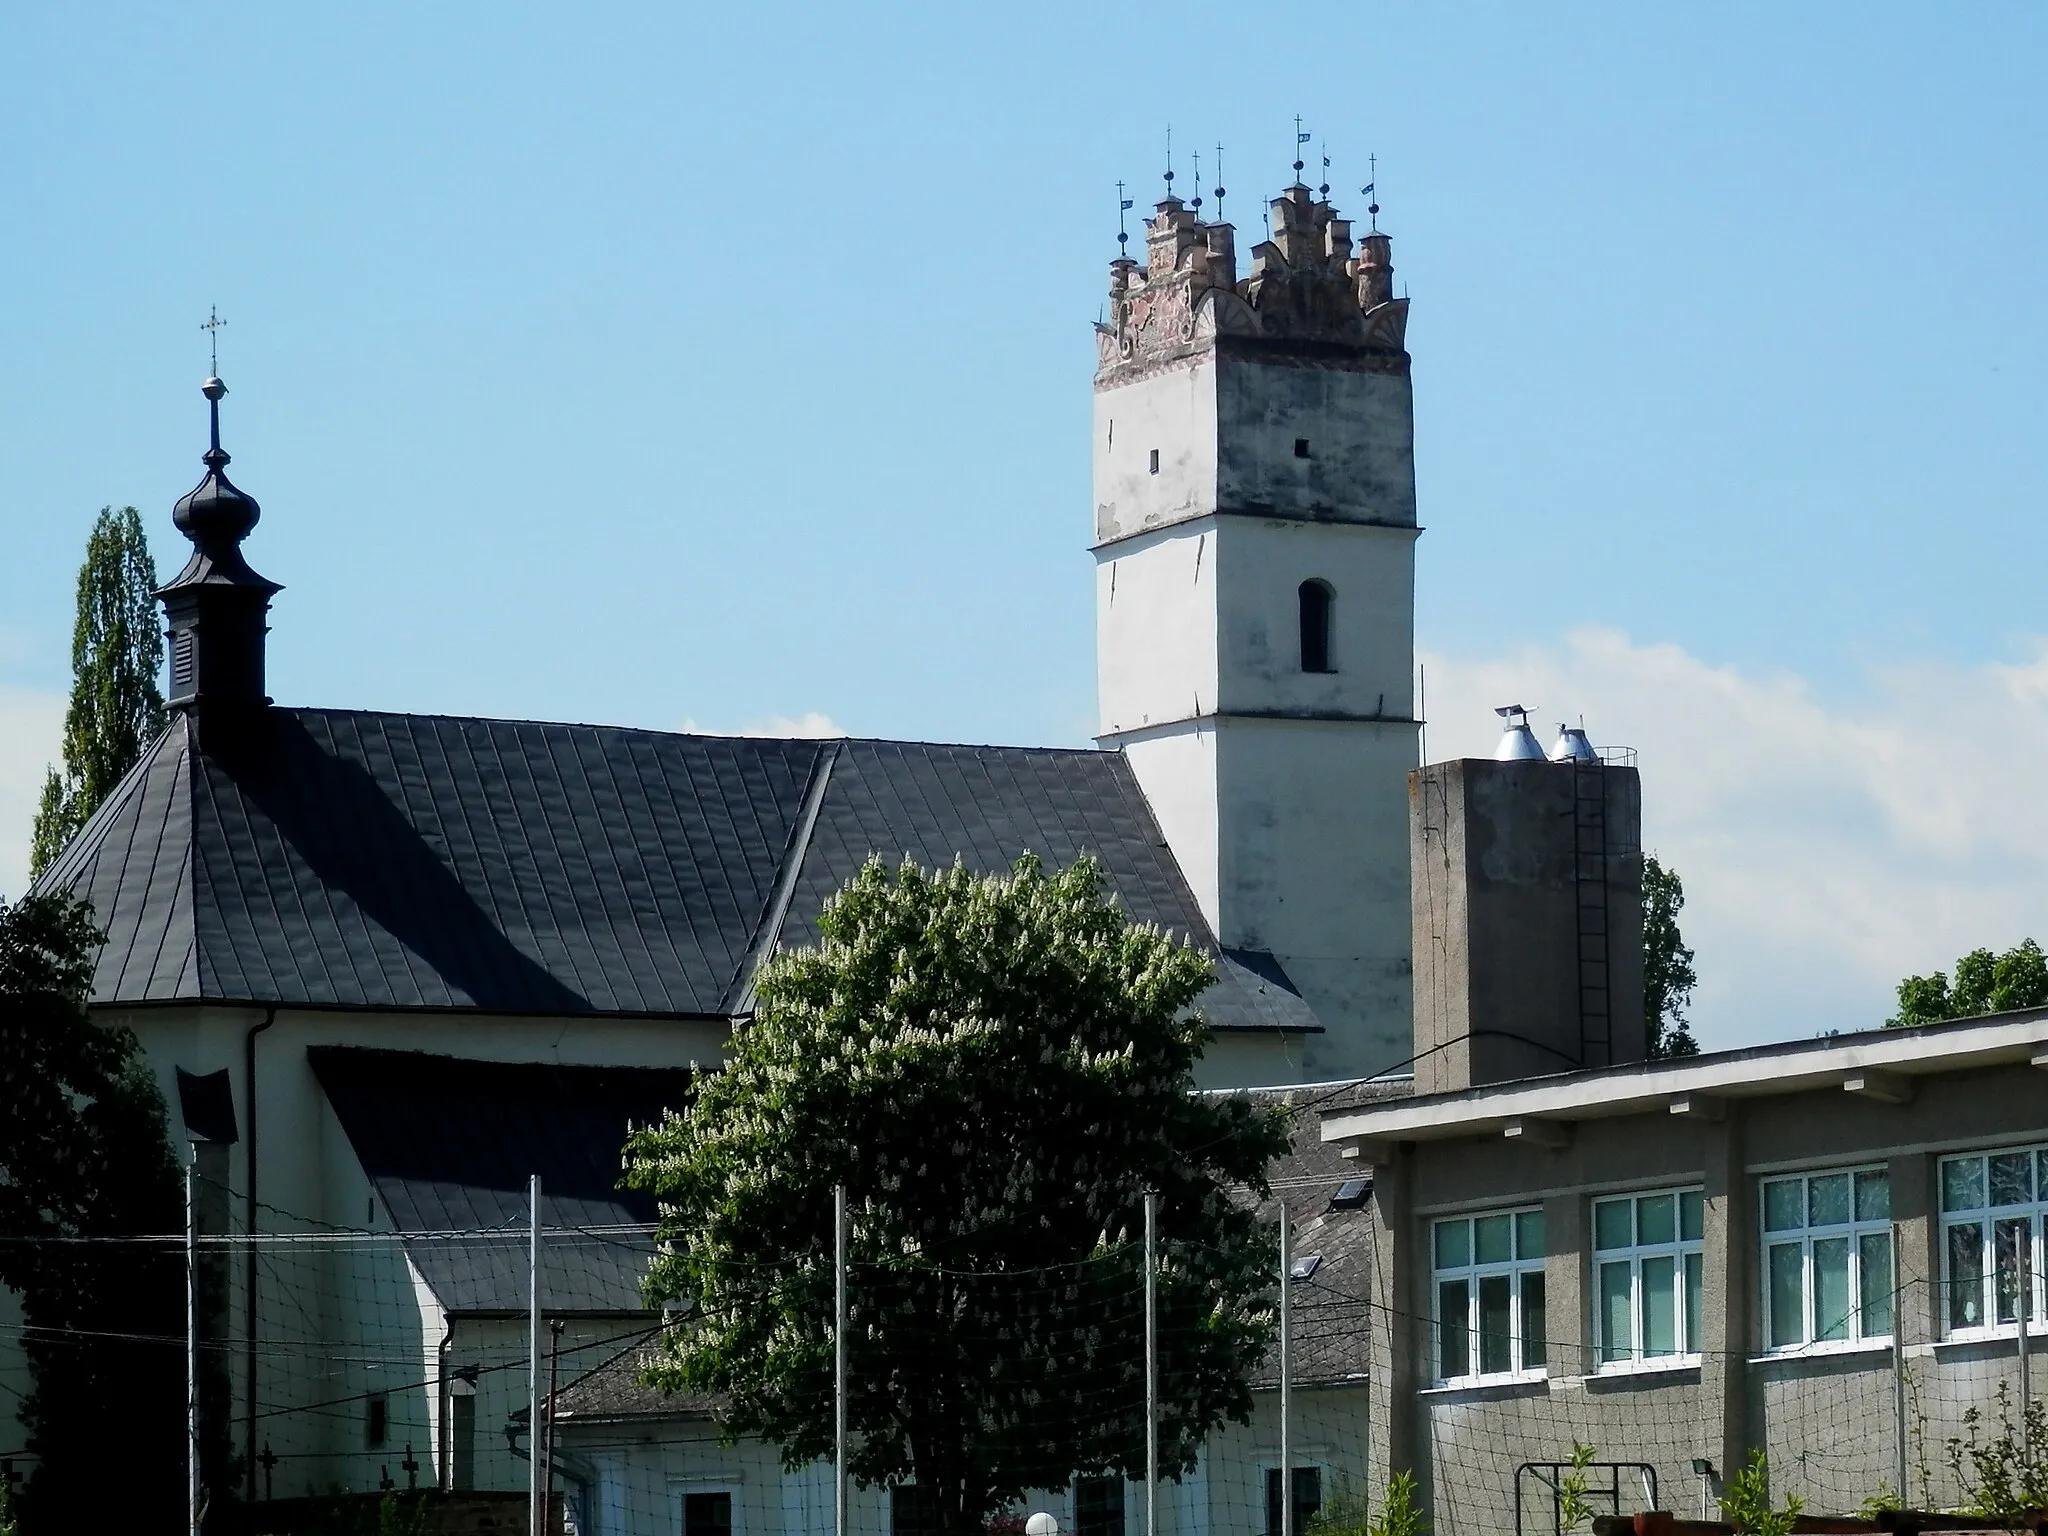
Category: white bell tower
[1255,605]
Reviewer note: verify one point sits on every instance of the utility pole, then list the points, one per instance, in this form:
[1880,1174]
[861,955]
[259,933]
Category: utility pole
[193,1493]
[1151,1364]
[1286,1378]
[839,1360]
[547,1471]
[536,1495]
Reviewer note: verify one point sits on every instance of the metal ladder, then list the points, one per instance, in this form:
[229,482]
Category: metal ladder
[1589,861]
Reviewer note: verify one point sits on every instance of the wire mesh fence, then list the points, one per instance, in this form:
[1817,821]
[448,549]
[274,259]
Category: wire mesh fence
[403,1361]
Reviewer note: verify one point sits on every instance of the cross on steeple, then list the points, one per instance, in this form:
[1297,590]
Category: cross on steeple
[211,325]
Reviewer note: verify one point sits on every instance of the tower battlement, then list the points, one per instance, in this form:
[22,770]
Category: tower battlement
[1308,284]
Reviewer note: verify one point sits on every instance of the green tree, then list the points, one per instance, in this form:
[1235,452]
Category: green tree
[997,1069]
[1985,983]
[1668,976]
[117,708]
[85,1161]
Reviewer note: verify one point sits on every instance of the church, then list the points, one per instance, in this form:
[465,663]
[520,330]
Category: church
[387,966]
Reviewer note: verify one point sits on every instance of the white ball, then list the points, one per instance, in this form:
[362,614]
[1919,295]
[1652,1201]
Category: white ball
[1042,1524]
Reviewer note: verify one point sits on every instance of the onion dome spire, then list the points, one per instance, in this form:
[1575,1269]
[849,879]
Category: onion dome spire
[216,605]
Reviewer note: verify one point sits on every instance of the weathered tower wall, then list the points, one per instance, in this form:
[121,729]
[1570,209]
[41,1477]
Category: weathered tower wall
[1528,900]
[1252,437]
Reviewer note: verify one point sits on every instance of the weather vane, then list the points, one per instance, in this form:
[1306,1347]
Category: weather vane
[1300,139]
[1169,159]
[211,325]
[1324,190]
[1197,203]
[1219,183]
[1372,204]
[1123,206]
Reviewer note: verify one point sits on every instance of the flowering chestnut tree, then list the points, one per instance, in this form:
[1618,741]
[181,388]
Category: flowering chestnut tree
[997,1069]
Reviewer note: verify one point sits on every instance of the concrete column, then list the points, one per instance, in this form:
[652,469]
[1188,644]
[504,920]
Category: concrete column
[1399,1345]
[1728,1305]
[1567,1263]
[1919,1222]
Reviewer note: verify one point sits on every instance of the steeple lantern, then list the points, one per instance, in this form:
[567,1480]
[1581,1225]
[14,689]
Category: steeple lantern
[217,606]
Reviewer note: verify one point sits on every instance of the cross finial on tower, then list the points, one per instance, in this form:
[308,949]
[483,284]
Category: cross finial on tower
[1219,183]
[1300,139]
[1197,203]
[211,325]
[1169,159]
[1123,206]
[1372,202]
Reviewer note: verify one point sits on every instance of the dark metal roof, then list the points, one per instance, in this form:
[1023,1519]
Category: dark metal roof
[448,1146]
[351,859]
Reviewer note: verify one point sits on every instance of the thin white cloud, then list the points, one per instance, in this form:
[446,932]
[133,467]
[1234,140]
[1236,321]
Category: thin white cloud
[1827,850]
[812,724]
[31,740]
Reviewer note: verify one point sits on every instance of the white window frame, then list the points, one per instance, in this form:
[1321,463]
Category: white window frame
[1805,1235]
[1472,1272]
[1987,1217]
[1678,1250]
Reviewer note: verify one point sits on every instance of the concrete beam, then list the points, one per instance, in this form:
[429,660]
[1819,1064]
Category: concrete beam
[2041,1058]
[1376,1153]
[1551,1135]
[1698,1106]
[1880,1087]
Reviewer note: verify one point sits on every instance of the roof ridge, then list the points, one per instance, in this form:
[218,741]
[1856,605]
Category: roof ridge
[649,730]
[738,996]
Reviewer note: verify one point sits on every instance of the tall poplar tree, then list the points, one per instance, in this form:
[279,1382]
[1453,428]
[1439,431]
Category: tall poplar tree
[117,706]
[1668,976]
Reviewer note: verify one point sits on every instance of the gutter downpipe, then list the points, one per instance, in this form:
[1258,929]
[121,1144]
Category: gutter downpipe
[250,1269]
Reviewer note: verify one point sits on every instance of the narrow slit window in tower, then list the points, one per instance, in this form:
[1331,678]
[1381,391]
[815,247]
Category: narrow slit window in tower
[1155,461]
[1315,626]
[1301,447]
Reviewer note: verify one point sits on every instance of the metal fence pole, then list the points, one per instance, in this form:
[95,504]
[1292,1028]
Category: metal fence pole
[2025,1313]
[192,1489]
[1151,1364]
[839,1360]
[1898,1374]
[1286,1378]
[536,1498]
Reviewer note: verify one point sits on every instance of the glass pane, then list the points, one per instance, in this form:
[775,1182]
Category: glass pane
[1274,1523]
[1874,1196]
[1788,1295]
[1874,1256]
[1529,1235]
[1099,1506]
[1308,1496]
[1496,1329]
[1493,1239]
[2041,1171]
[2008,1238]
[1611,1224]
[1660,1306]
[1691,1216]
[1965,1275]
[1535,1328]
[1657,1219]
[2012,1178]
[1831,1288]
[1453,1299]
[1827,1200]
[1962,1184]
[1784,1205]
[1617,1317]
[707,1514]
[1694,1285]
[1453,1244]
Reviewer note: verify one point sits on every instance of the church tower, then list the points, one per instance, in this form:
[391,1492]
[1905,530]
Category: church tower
[1255,608]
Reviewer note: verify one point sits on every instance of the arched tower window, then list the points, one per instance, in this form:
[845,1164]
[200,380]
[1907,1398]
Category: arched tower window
[1315,626]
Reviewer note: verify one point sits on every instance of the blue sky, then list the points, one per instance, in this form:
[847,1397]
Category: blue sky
[664,364]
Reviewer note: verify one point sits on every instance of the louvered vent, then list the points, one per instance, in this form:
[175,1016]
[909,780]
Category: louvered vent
[181,660]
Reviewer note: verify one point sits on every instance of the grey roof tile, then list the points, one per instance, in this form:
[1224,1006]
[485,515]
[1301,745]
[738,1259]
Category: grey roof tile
[355,859]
